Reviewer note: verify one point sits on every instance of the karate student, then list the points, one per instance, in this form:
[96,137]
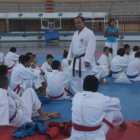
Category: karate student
[81,52]
[65,65]
[127,52]
[35,68]
[133,69]
[11,59]
[57,82]
[111,33]
[1,58]
[105,59]
[47,65]
[132,54]
[93,113]
[119,63]
[15,110]
[22,77]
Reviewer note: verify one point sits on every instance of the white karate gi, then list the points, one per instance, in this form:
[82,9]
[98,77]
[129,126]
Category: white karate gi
[56,82]
[132,55]
[11,60]
[65,65]
[84,42]
[105,61]
[24,106]
[113,45]
[100,71]
[133,69]
[42,78]
[46,67]
[25,78]
[1,58]
[4,107]
[127,57]
[119,65]
[89,109]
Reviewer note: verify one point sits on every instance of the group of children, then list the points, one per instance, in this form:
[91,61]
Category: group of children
[126,63]
[91,111]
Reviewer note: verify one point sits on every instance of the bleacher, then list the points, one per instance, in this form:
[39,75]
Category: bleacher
[113,7]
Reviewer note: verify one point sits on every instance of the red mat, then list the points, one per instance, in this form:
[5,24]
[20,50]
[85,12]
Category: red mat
[132,133]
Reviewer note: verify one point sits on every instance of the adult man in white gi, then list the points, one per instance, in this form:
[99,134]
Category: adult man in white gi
[93,113]
[22,77]
[11,59]
[119,64]
[81,53]
[57,82]
[133,69]
[15,110]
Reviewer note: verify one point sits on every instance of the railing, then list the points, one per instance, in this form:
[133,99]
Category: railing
[126,24]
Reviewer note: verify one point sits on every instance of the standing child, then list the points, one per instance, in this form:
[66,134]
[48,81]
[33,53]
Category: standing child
[111,32]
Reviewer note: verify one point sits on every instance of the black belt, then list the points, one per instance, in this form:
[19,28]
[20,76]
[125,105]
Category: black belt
[13,117]
[74,61]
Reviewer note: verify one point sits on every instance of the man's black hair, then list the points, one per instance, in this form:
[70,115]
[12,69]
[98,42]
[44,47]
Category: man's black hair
[121,52]
[137,54]
[49,56]
[25,59]
[81,18]
[126,46]
[55,65]
[90,83]
[136,48]
[65,54]
[3,81]
[3,70]
[13,49]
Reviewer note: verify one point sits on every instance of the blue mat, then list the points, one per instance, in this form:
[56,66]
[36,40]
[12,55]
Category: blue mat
[128,94]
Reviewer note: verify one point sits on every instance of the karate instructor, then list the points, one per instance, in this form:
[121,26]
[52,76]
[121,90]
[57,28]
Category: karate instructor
[81,54]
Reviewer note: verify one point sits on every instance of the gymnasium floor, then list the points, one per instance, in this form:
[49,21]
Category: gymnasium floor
[129,94]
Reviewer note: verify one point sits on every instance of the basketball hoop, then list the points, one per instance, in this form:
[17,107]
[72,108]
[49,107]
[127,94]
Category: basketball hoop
[51,23]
